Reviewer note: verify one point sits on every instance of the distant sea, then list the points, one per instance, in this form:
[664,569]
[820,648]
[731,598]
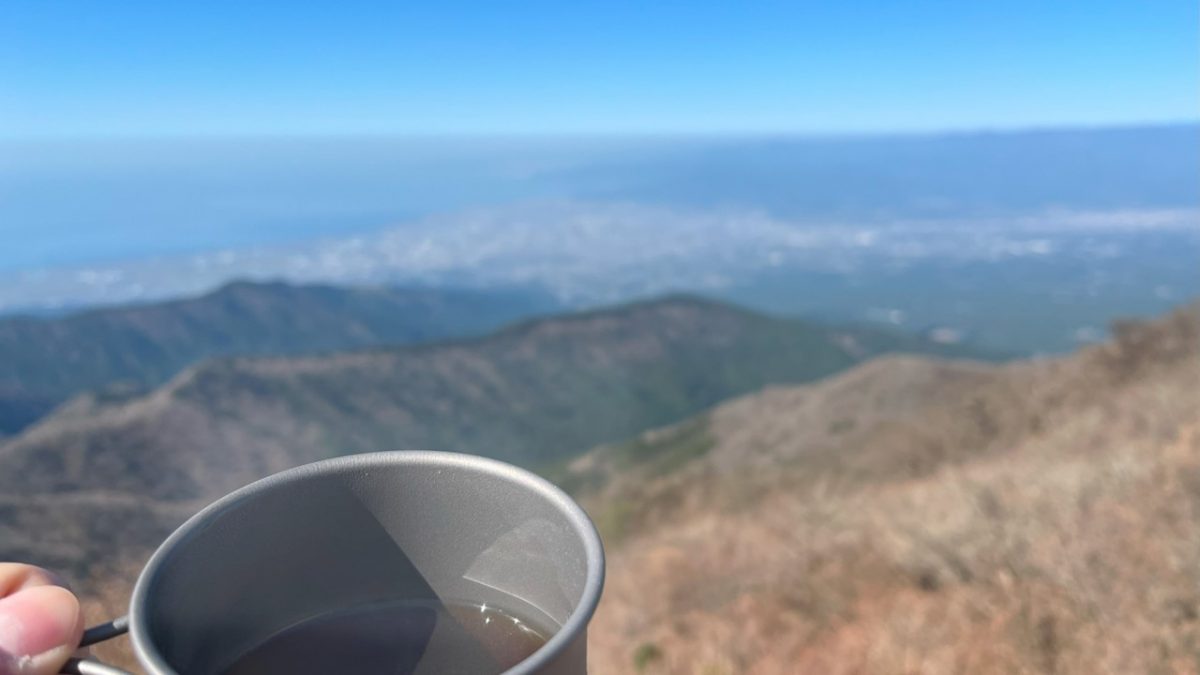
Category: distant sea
[70,202]
[101,201]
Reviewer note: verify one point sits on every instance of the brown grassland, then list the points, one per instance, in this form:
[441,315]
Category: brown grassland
[908,516]
[916,516]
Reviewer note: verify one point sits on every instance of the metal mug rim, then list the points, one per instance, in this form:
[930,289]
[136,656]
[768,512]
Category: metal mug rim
[149,656]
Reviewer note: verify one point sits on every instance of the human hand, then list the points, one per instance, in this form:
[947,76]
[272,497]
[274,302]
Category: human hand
[40,621]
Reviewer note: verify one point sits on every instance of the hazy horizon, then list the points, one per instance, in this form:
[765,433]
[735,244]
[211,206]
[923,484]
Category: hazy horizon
[135,198]
[801,158]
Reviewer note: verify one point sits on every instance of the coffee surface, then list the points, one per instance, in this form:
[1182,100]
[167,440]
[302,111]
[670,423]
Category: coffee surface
[398,638]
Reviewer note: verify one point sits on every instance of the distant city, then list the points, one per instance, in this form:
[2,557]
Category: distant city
[1029,242]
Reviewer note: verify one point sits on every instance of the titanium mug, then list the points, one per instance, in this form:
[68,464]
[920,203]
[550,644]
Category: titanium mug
[347,532]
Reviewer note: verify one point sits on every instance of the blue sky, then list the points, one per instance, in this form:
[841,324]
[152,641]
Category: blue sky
[71,69]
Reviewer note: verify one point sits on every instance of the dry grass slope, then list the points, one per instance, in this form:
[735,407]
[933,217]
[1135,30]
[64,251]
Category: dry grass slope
[923,517]
[907,516]
[531,394]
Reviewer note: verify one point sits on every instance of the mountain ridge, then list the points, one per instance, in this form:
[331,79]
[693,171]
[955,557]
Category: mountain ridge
[817,526]
[50,359]
[1035,516]
[528,393]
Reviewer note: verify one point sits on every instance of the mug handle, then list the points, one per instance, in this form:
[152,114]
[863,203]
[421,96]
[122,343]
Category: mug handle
[91,636]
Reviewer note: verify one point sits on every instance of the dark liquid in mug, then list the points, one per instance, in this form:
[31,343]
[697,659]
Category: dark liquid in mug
[398,638]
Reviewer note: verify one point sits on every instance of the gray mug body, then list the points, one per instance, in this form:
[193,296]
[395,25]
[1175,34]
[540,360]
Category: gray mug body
[365,529]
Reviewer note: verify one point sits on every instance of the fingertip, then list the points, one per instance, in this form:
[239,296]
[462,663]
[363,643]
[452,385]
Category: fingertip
[39,629]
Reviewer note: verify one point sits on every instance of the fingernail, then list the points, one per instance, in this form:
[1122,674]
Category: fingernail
[36,620]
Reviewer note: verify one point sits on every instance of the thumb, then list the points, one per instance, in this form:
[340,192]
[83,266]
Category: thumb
[40,628]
